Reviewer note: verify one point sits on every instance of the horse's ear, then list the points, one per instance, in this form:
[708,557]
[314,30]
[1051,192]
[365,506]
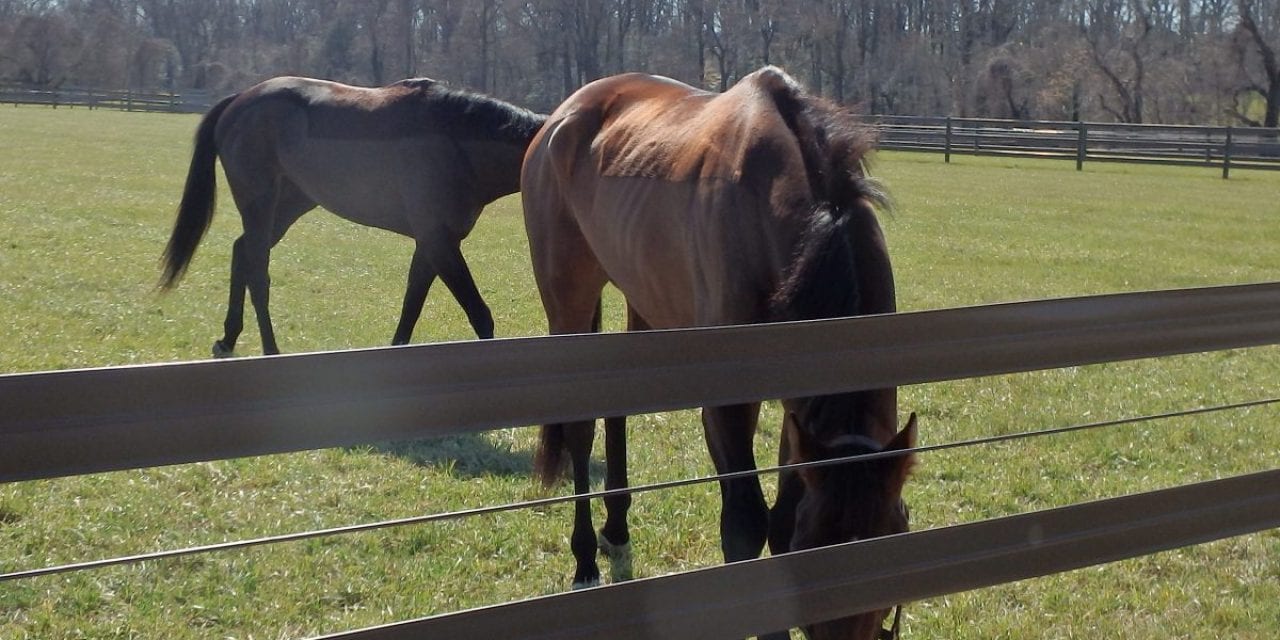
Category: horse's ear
[900,466]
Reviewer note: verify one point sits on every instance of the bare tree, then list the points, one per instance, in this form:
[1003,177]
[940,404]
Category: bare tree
[1088,59]
[43,47]
[1257,40]
[1119,52]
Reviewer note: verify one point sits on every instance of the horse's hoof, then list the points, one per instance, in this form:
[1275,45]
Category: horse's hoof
[619,555]
[585,584]
[221,351]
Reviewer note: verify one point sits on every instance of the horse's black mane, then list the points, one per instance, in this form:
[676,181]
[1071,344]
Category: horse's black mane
[475,116]
[821,281]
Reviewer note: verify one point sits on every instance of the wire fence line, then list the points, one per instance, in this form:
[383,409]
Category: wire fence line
[601,494]
[75,422]
[831,582]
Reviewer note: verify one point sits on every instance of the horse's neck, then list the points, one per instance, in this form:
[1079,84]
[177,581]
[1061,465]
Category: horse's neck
[496,166]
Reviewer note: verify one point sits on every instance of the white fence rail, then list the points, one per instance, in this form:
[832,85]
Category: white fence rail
[73,422]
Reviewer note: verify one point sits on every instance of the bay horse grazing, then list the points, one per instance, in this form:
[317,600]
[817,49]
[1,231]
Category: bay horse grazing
[715,209]
[414,157]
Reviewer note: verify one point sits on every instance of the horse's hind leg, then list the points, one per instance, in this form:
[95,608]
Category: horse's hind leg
[578,438]
[249,256]
[570,281]
[572,313]
[615,537]
[265,217]
[234,322]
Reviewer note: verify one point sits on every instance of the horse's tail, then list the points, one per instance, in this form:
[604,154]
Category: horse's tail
[548,459]
[199,197]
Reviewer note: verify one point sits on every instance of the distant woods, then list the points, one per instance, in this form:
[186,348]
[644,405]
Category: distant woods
[1156,61]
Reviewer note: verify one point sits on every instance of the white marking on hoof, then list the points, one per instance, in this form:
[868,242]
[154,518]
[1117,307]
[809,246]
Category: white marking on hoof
[586,584]
[619,555]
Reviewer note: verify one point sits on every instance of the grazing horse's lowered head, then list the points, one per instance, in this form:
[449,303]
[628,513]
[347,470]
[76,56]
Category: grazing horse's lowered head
[849,501]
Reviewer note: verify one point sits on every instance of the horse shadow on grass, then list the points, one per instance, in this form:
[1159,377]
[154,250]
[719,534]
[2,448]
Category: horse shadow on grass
[467,456]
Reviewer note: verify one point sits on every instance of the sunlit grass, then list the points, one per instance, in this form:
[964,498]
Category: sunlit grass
[86,203]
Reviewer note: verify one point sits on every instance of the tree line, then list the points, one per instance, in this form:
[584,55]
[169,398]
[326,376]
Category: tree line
[1163,61]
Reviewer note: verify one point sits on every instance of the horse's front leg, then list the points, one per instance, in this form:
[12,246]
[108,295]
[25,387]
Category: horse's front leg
[446,257]
[421,275]
[744,515]
[782,517]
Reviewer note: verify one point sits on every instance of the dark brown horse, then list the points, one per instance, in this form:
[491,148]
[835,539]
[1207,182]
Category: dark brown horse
[715,209]
[414,157]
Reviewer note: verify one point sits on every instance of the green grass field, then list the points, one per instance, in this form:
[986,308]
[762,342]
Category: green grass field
[86,203]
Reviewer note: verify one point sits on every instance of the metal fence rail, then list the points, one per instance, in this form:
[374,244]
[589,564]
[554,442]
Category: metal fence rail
[72,422]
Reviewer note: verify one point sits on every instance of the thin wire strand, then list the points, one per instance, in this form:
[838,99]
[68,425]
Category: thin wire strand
[657,486]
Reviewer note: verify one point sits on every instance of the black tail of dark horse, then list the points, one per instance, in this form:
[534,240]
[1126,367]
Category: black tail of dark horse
[199,197]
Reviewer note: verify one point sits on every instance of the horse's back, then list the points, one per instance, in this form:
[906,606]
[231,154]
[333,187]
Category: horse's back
[364,153]
[654,127]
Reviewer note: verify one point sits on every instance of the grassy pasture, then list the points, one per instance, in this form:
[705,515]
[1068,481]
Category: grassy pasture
[86,203]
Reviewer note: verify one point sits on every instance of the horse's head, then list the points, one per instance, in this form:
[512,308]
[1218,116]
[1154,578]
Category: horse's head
[847,502]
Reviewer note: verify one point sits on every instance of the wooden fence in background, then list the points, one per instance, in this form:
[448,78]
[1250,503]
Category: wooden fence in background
[125,100]
[1224,148]
[75,422]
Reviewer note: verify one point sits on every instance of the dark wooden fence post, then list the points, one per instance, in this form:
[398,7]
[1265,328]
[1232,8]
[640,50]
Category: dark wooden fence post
[946,147]
[1081,144]
[1226,155]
